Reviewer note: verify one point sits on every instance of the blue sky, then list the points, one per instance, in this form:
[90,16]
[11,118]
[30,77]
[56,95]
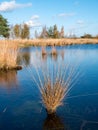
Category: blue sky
[77,16]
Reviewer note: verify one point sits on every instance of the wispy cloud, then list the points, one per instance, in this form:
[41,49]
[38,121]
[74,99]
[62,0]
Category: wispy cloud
[80,22]
[35,17]
[34,21]
[12,5]
[66,14]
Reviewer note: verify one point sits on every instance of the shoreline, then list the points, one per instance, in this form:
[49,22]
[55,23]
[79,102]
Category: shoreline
[51,42]
[6,69]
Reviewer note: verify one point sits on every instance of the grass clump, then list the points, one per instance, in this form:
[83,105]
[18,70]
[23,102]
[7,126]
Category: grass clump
[8,56]
[54,79]
[52,96]
[54,51]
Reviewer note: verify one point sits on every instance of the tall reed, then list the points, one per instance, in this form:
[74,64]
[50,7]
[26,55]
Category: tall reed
[8,55]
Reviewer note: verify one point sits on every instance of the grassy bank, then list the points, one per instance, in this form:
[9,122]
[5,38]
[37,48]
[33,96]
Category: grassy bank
[51,42]
[8,56]
[9,48]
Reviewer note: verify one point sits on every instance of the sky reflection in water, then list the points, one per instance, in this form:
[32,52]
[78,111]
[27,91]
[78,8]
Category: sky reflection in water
[20,106]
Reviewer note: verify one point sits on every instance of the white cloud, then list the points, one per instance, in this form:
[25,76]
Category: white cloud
[66,14]
[12,5]
[34,21]
[35,17]
[81,22]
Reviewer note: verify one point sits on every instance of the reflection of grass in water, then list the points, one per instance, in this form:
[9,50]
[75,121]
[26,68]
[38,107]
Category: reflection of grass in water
[8,78]
[54,81]
[43,51]
[53,122]
[24,57]
[54,51]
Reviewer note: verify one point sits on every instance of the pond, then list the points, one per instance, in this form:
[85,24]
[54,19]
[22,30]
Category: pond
[20,100]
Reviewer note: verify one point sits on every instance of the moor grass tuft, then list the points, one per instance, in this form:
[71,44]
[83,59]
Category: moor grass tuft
[8,55]
[54,79]
[52,96]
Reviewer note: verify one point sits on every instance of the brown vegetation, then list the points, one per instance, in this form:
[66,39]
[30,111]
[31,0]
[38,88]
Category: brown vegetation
[54,81]
[52,96]
[51,42]
[8,55]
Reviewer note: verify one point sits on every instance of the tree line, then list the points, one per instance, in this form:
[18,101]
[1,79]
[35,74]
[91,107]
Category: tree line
[22,31]
[51,32]
[17,31]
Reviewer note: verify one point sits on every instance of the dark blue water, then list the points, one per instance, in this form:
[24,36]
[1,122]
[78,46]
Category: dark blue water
[20,101]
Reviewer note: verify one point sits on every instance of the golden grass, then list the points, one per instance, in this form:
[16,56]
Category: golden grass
[54,80]
[52,96]
[51,42]
[8,55]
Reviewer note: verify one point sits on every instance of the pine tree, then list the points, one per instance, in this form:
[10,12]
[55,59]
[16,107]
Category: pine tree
[4,27]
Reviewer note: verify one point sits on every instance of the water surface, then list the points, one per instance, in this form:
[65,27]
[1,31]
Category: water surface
[20,101]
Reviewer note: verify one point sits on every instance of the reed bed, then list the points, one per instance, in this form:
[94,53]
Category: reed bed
[8,55]
[52,42]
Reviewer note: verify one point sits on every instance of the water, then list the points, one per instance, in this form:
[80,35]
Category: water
[20,101]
